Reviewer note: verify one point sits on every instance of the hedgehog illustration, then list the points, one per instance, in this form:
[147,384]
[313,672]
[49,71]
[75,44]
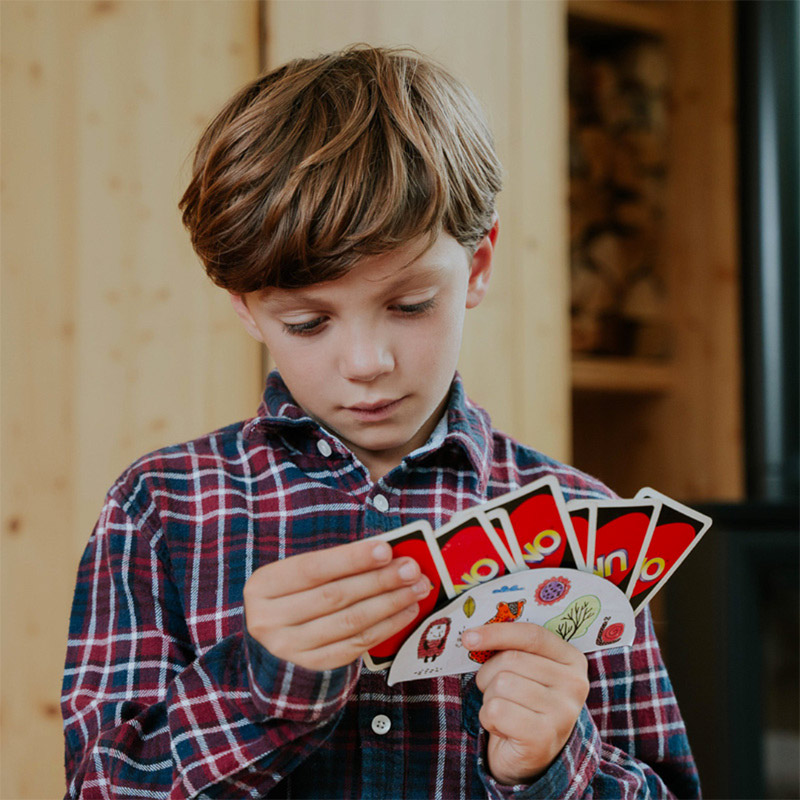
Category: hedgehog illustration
[432,642]
[506,612]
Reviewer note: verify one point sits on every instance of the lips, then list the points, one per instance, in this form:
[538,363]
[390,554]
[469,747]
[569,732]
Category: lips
[378,404]
[377,409]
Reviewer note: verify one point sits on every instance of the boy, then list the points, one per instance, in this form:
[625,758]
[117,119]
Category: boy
[230,587]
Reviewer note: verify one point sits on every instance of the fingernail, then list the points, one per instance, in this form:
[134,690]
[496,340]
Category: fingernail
[470,639]
[382,551]
[422,586]
[408,571]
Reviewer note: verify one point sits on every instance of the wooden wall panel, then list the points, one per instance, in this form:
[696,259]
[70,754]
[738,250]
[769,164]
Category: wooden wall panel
[685,435]
[113,340]
[515,357]
[706,410]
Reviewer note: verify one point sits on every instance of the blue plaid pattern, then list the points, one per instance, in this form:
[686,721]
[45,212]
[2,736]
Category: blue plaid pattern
[166,695]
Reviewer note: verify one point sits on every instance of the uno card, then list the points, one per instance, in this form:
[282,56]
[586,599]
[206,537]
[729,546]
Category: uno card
[582,609]
[621,527]
[582,515]
[415,541]
[472,551]
[676,532]
[536,518]
[501,524]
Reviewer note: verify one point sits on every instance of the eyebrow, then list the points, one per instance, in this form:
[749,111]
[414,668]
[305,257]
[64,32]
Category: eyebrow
[403,277]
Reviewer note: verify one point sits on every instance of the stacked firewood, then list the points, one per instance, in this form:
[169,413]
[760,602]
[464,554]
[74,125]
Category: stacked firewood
[618,105]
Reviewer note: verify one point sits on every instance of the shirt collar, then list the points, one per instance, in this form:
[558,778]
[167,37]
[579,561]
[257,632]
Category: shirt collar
[465,426]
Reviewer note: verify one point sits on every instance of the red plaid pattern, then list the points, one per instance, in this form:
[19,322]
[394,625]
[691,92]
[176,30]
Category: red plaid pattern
[166,695]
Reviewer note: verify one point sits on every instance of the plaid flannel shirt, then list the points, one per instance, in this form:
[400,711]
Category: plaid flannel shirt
[166,695]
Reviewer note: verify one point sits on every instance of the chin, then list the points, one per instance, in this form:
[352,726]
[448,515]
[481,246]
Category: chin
[380,444]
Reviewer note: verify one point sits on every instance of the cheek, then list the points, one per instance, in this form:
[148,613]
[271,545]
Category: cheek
[298,361]
[438,345]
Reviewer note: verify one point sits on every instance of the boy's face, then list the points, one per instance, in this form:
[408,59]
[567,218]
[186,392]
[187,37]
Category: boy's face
[372,354]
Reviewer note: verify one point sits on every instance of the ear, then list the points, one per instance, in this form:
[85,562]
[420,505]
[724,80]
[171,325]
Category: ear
[480,268]
[239,303]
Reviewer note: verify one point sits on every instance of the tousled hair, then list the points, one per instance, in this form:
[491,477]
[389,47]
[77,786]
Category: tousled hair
[325,160]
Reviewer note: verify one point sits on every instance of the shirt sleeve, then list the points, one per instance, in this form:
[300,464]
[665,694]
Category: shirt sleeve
[147,715]
[629,741]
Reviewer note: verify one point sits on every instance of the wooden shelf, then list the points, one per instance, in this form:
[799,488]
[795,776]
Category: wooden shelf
[651,17]
[623,375]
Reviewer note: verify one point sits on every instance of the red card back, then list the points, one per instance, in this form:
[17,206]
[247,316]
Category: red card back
[619,535]
[673,535]
[470,556]
[540,531]
[414,546]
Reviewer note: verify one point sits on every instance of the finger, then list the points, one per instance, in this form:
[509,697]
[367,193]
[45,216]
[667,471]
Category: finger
[307,570]
[339,653]
[504,717]
[524,636]
[355,620]
[322,601]
[520,690]
[532,666]
[535,738]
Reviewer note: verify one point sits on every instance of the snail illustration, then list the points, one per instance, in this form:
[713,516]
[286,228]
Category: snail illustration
[608,634]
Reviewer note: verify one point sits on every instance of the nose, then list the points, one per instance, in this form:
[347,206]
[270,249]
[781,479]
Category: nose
[366,354]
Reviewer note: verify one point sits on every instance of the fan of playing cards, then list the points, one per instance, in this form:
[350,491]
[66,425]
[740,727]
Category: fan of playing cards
[582,569]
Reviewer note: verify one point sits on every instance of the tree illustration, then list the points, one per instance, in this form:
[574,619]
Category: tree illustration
[575,620]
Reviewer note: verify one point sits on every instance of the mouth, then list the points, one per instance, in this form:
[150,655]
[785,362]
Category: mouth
[375,410]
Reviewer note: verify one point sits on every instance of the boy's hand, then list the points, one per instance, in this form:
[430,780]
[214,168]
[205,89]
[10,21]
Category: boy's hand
[533,692]
[322,610]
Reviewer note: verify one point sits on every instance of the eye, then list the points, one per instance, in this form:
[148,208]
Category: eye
[303,328]
[417,308]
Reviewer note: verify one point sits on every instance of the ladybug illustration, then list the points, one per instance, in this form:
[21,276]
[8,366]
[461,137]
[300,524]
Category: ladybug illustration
[506,612]
[432,642]
[608,634]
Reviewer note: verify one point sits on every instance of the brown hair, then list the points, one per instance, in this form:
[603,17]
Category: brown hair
[325,160]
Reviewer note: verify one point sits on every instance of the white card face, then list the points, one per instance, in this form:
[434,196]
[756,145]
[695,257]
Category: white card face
[585,610]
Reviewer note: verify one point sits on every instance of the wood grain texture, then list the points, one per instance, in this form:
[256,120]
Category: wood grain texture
[512,55]
[686,440]
[114,342]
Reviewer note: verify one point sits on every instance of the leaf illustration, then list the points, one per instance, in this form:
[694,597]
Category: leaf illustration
[469,607]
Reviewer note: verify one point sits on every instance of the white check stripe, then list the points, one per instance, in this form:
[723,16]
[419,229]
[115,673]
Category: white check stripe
[165,556]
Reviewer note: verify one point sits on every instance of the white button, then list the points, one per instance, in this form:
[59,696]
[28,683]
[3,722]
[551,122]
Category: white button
[381,724]
[381,503]
[324,447]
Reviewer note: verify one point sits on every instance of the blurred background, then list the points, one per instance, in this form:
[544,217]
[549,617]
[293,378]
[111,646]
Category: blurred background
[642,322]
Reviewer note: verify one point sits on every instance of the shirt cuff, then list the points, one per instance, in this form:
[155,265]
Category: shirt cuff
[284,690]
[568,776]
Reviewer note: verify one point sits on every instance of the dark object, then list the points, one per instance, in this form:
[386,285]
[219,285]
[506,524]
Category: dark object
[733,636]
[769,81]
[732,647]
